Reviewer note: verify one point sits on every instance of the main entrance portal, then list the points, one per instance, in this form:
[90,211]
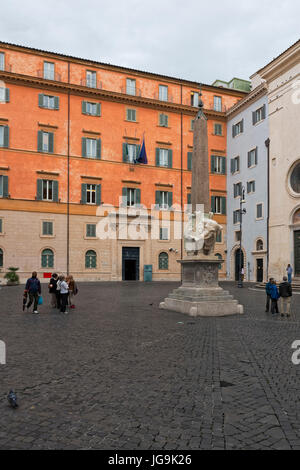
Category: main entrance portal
[297,252]
[130,263]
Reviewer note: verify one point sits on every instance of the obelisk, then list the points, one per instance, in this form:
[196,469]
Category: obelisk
[200,293]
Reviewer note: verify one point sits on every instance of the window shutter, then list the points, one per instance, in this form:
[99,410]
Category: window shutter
[189,160]
[232,165]
[98,194]
[56,102]
[138,197]
[166,120]
[170,199]
[39,192]
[223,205]
[189,198]
[83,146]
[83,193]
[125,152]
[157,199]
[157,156]
[238,163]
[51,142]
[248,187]
[256,156]
[249,159]
[7,95]
[6,137]
[98,109]
[170,156]
[40,141]
[242,125]
[223,165]
[212,164]
[41,100]
[124,196]
[55,191]
[264,112]
[233,131]
[213,203]
[98,154]
[253,186]
[83,107]
[161,119]
[254,118]
[5,185]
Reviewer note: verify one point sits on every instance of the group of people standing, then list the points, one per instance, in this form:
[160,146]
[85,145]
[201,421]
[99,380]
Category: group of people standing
[62,291]
[282,292]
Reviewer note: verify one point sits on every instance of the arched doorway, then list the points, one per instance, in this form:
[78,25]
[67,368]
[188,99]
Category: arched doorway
[237,263]
[296,223]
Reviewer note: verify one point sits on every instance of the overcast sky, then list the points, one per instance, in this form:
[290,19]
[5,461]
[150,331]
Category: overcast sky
[196,40]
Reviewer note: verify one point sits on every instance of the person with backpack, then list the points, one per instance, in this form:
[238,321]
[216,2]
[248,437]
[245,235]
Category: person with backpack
[73,290]
[268,293]
[285,291]
[33,288]
[274,293]
[52,289]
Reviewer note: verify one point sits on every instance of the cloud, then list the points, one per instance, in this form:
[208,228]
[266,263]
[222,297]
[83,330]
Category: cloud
[195,40]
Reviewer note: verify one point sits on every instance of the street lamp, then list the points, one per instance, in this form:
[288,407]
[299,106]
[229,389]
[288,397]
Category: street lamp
[242,212]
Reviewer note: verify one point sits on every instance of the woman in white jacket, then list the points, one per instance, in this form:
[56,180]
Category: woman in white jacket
[64,294]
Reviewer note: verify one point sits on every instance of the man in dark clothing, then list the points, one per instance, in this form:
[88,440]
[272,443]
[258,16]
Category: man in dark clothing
[285,291]
[52,289]
[33,287]
[268,292]
[274,297]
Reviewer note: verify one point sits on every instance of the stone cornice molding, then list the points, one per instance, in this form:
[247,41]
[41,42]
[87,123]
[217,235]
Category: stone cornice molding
[282,63]
[255,94]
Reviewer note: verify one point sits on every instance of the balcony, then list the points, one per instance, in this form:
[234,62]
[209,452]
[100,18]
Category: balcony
[166,99]
[96,84]
[49,76]
[132,91]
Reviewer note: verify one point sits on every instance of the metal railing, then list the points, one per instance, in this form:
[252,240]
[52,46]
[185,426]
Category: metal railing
[96,84]
[55,76]
[131,91]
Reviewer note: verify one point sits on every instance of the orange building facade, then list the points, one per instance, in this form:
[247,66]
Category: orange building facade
[69,132]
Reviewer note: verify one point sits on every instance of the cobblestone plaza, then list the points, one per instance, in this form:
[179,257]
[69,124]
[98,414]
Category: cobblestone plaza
[118,373]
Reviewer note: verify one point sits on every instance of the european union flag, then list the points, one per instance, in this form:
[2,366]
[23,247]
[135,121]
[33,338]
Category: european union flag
[142,158]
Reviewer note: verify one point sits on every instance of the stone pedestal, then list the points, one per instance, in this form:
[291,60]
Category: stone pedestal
[200,293]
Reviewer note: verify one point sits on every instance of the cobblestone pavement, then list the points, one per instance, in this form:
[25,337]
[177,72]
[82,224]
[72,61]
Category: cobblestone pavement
[118,373]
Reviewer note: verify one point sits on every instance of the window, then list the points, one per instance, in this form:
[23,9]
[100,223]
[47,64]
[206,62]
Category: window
[164,233]
[219,256]
[49,70]
[91,79]
[91,148]
[189,160]
[235,164]
[252,158]
[218,205]
[237,236]
[294,178]
[1,225]
[1,258]
[45,142]
[236,217]
[259,115]
[163,120]
[194,98]
[91,259]
[259,245]
[130,86]
[163,261]
[92,109]
[218,164]
[251,187]
[47,259]
[49,102]
[4,136]
[131,115]
[218,129]
[4,95]
[91,194]
[47,190]
[130,152]
[163,199]
[192,124]
[259,211]
[47,228]
[131,196]
[164,157]
[238,128]
[91,230]
[3,186]
[2,61]
[217,103]
[163,93]
[219,237]
[237,190]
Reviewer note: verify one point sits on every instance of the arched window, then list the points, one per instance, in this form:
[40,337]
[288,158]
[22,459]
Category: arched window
[47,258]
[259,245]
[91,259]
[1,258]
[219,257]
[296,217]
[295,178]
[163,261]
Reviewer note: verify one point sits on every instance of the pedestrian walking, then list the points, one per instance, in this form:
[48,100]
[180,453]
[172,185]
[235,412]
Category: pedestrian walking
[274,297]
[285,291]
[52,290]
[58,299]
[33,287]
[72,290]
[64,294]
[289,271]
[268,293]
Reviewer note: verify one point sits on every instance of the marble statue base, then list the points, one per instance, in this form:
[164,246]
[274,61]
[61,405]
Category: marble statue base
[200,293]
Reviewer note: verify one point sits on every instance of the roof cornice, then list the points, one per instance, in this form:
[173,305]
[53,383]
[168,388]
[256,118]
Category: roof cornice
[281,63]
[255,94]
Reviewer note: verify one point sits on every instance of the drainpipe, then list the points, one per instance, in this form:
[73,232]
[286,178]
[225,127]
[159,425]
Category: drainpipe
[181,181]
[267,144]
[68,176]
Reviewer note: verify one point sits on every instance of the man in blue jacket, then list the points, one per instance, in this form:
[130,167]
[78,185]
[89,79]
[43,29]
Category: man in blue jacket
[268,292]
[33,287]
[274,297]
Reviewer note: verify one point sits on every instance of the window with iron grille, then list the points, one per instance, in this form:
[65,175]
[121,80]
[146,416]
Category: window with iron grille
[47,259]
[163,261]
[90,259]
